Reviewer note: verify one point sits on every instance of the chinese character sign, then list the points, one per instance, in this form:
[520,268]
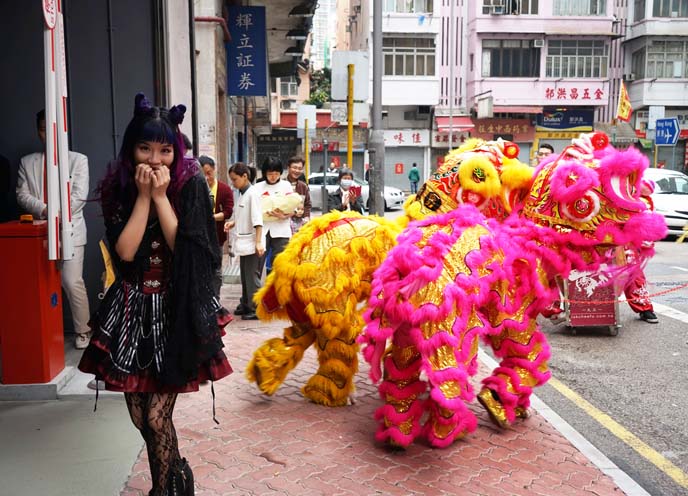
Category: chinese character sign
[247,52]
[624,109]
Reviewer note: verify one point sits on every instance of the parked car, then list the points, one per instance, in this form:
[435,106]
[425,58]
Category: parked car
[394,197]
[670,197]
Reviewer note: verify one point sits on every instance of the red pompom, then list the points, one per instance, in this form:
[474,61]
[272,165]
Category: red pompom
[599,140]
[511,150]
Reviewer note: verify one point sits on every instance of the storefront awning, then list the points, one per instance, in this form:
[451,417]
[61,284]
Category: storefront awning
[459,123]
[621,132]
[516,109]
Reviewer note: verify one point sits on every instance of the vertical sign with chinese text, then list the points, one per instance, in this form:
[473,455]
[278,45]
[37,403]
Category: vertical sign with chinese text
[247,52]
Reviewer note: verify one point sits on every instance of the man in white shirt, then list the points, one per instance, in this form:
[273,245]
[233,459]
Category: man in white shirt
[31,197]
[276,224]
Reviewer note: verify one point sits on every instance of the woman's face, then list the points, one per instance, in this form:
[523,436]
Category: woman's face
[154,154]
[272,177]
[238,181]
[209,172]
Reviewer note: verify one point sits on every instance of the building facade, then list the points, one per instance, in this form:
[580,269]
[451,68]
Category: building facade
[524,70]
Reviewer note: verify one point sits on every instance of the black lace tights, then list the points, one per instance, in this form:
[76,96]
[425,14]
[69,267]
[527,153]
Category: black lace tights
[151,413]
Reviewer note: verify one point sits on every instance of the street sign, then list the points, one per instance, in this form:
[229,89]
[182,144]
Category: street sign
[340,75]
[667,132]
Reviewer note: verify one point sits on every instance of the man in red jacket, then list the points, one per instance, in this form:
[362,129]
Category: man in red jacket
[223,201]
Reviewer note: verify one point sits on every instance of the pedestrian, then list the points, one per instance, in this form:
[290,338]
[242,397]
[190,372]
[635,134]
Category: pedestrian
[249,243]
[414,177]
[32,196]
[156,331]
[276,223]
[345,197]
[636,291]
[222,198]
[298,185]
[544,151]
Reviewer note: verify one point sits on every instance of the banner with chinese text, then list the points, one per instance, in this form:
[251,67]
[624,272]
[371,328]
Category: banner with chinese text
[247,52]
[624,109]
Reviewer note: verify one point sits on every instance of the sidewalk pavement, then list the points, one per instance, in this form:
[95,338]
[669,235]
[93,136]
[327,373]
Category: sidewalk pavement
[284,445]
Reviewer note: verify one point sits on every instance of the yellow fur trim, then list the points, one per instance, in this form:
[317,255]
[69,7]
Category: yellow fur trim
[490,185]
[516,174]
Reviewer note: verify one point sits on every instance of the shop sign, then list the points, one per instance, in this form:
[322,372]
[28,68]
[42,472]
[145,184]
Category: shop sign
[407,137]
[519,130]
[575,93]
[247,52]
[441,139]
[571,119]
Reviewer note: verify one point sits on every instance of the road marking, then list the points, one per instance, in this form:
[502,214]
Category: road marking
[678,475]
[596,457]
[670,312]
[679,268]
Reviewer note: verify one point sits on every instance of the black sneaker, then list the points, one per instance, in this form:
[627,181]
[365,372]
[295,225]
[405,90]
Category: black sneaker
[649,317]
[249,316]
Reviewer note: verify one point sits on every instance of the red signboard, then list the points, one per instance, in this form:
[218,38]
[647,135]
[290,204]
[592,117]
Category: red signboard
[399,168]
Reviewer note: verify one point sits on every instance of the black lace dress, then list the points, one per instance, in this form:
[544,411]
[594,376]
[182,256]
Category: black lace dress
[159,327]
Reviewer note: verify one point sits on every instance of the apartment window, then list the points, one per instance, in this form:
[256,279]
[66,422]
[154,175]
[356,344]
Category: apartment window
[638,63]
[510,58]
[667,59]
[579,7]
[409,56]
[670,8]
[577,59]
[638,10]
[510,7]
[408,6]
[289,87]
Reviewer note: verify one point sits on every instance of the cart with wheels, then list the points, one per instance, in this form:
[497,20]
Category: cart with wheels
[591,301]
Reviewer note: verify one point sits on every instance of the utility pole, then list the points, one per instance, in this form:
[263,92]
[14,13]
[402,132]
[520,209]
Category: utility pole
[376,141]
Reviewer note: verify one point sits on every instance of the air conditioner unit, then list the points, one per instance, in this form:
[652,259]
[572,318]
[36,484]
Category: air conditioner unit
[629,77]
[497,10]
[539,43]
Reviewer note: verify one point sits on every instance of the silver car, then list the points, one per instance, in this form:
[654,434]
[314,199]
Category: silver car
[670,197]
[394,197]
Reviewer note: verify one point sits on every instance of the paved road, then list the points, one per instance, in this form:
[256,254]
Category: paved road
[637,378]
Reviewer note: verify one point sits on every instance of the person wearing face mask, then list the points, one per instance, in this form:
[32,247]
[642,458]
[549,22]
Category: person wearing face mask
[345,198]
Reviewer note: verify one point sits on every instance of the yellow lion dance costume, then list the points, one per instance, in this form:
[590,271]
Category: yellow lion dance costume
[323,277]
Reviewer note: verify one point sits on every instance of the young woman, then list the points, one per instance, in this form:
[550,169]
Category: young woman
[156,333]
[248,237]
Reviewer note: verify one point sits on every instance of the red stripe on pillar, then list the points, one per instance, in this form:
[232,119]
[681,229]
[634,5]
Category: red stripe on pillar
[64,112]
[69,200]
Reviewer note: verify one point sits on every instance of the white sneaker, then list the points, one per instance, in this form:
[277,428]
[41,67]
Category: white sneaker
[82,340]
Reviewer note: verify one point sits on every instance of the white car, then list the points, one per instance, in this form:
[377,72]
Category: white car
[394,197]
[670,197]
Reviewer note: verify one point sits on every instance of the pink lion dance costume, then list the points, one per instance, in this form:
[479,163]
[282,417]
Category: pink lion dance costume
[459,276]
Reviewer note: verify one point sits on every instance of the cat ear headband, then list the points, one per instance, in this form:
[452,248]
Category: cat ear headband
[142,106]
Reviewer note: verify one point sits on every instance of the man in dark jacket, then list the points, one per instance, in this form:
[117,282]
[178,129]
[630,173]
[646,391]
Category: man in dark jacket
[223,203]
